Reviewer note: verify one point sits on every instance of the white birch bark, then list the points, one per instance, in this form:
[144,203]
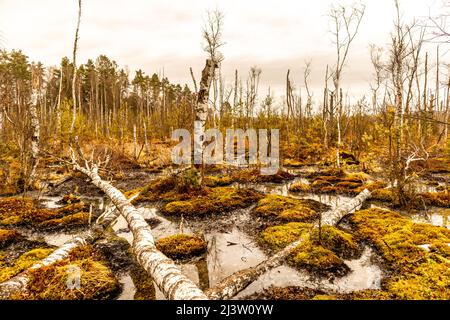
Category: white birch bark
[35,135]
[74,79]
[166,274]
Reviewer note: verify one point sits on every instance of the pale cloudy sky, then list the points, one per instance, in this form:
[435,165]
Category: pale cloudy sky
[275,35]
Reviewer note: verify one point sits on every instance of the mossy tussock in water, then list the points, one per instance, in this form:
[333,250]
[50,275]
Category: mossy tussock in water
[340,183]
[8,236]
[417,273]
[50,283]
[182,246]
[320,253]
[288,208]
[212,201]
[24,212]
[25,261]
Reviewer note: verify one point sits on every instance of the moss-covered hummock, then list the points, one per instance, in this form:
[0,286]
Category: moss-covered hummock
[69,199]
[24,262]
[321,255]
[417,273]
[72,220]
[438,199]
[384,195]
[288,209]
[213,201]
[8,236]
[293,163]
[182,246]
[300,187]
[24,212]
[50,283]
[344,183]
[255,176]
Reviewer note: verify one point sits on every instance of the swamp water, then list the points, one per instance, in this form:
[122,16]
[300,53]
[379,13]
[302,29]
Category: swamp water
[231,249]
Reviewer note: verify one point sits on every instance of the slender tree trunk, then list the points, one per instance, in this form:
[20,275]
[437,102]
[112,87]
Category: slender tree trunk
[74,79]
[201,110]
[35,134]
[232,285]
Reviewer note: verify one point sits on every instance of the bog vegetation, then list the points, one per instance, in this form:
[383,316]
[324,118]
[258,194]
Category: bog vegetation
[75,133]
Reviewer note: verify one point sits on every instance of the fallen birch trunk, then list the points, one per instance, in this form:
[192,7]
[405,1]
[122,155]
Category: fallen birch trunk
[20,281]
[235,283]
[167,276]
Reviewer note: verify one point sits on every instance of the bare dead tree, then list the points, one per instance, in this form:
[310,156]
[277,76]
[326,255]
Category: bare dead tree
[346,22]
[74,79]
[212,36]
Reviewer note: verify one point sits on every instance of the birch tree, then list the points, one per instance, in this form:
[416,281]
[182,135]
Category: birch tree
[74,79]
[345,23]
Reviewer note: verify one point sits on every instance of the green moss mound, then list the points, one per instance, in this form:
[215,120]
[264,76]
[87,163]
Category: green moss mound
[22,263]
[7,237]
[417,272]
[438,199]
[278,237]
[24,212]
[317,259]
[182,246]
[214,201]
[320,254]
[300,187]
[50,283]
[288,209]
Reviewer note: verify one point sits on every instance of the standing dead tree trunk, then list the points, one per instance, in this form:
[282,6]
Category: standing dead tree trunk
[20,282]
[74,79]
[58,105]
[167,276]
[235,283]
[346,26]
[35,128]
[212,34]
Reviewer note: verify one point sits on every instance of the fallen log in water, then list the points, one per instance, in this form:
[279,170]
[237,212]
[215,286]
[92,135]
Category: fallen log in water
[20,281]
[235,283]
[166,274]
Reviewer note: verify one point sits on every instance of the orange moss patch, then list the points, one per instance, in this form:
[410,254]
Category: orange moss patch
[213,201]
[287,208]
[8,236]
[438,199]
[50,283]
[23,212]
[182,246]
[255,176]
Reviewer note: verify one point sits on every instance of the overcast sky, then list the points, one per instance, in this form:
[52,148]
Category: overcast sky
[275,35]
